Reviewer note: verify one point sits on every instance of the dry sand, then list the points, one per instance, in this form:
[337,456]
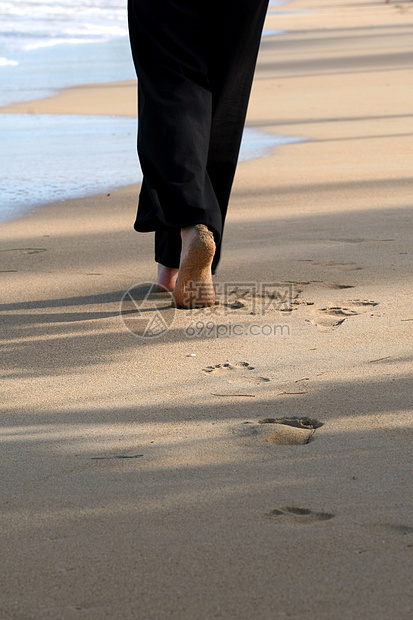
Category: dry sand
[213,519]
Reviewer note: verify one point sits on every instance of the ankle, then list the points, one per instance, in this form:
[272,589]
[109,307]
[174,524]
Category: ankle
[166,277]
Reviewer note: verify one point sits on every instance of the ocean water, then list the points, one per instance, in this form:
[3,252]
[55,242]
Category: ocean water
[30,24]
[50,44]
[46,45]
[46,158]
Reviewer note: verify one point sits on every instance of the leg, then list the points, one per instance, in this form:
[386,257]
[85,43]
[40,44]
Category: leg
[230,55]
[175,107]
[195,74]
[237,36]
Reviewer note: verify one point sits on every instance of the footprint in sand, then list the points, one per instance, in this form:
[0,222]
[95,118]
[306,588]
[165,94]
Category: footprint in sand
[292,431]
[289,431]
[298,516]
[334,315]
[240,372]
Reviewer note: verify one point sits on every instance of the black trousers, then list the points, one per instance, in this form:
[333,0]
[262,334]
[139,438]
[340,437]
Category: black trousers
[195,62]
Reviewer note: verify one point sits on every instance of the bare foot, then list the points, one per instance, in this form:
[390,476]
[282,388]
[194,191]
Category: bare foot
[194,288]
[166,278]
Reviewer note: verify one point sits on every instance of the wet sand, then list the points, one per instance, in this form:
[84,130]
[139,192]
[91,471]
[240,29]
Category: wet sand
[216,471]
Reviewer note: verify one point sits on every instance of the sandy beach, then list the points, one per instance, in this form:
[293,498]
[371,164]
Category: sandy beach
[254,472]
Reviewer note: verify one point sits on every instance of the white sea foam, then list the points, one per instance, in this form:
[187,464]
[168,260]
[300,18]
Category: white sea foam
[28,24]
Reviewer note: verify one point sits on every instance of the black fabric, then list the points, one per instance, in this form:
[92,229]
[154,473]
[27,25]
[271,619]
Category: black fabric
[195,61]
